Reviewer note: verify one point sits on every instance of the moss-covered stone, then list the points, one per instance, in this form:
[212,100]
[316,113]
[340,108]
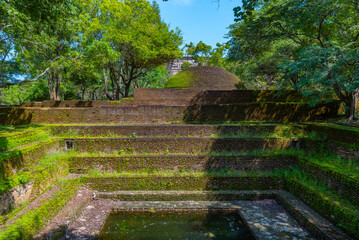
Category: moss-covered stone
[203,77]
[27,225]
[331,206]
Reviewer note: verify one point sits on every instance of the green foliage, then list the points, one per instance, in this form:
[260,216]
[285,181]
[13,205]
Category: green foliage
[331,70]
[27,225]
[316,50]
[28,92]
[205,55]
[200,52]
[77,47]
[185,65]
[180,80]
[44,44]
[133,40]
[327,203]
[155,78]
[43,173]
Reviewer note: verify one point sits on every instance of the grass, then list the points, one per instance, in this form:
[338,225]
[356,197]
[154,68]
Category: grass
[17,139]
[53,161]
[182,173]
[282,133]
[347,167]
[197,153]
[6,131]
[28,224]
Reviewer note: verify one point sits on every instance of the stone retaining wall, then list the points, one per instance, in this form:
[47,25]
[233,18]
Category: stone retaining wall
[180,145]
[178,163]
[176,130]
[184,183]
[169,114]
[168,96]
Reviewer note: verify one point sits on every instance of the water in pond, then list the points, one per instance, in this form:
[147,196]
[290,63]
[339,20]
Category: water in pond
[175,225]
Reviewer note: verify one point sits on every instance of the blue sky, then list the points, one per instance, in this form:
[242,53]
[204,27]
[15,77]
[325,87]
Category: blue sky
[205,20]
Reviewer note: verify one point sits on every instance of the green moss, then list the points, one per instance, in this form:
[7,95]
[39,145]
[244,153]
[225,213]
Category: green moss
[43,173]
[12,161]
[330,205]
[7,131]
[25,137]
[203,77]
[28,225]
[180,80]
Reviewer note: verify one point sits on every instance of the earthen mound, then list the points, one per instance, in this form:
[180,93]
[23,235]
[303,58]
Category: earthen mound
[204,77]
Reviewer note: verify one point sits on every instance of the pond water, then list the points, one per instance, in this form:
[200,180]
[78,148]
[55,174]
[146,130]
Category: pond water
[175,225]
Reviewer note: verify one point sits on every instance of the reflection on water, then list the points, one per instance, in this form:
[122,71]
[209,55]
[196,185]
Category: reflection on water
[175,225]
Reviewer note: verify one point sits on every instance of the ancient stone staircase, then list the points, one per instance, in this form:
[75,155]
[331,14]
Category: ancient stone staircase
[156,165]
[179,157]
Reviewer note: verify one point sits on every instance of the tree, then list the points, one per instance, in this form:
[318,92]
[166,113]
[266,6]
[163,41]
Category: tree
[333,68]
[262,25]
[48,49]
[37,32]
[155,78]
[125,40]
[204,54]
[199,52]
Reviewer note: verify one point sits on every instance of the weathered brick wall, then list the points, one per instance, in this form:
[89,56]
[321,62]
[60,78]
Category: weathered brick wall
[181,144]
[78,104]
[185,183]
[162,113]
[174,105]
[170,96]
[182,162]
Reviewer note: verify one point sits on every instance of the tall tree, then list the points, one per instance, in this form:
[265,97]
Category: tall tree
[37,33]
[125,39]
[49,48]
[306,24]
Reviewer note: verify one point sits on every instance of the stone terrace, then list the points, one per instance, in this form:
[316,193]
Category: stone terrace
[62,180]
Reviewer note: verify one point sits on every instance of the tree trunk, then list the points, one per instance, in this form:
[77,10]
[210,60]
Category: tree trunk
[105,76]
[57,87]
[118,86]
[53,84]
[50,85]
[118,83]
[352,104]
[0,95]
[82,94]
[127,89]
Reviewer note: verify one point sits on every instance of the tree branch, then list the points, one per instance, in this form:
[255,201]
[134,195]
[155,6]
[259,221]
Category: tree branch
[4,39]
[17,83]
[5,26]
[29,80]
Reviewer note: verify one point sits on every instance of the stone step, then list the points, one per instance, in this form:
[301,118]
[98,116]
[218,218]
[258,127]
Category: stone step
[181,144]
[187,195]
[214,183]
[329,204]
[181,162]
[175,130]
[343,184]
